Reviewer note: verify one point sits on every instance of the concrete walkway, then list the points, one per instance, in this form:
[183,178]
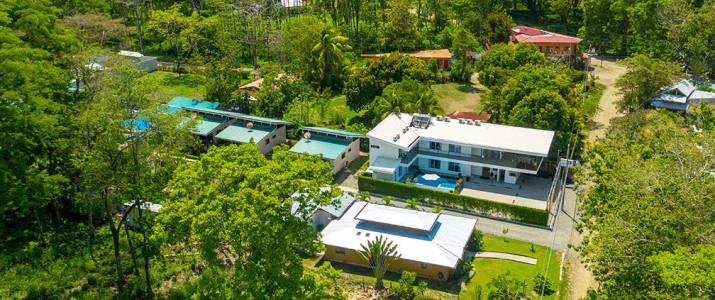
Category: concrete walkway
[506,256]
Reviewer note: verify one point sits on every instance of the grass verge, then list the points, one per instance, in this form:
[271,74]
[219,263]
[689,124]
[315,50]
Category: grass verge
[487,269]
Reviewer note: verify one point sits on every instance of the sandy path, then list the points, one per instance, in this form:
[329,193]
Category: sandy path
[580,278]
[607,71]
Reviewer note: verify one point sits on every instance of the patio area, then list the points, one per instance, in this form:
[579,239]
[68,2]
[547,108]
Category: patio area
[530,191]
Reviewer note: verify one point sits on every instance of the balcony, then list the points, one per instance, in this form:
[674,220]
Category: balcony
[507,160]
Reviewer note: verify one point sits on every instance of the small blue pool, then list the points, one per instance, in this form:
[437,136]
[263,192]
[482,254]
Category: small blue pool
[442,183]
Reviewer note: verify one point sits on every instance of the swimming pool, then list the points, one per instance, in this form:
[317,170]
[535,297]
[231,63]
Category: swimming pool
[442,183]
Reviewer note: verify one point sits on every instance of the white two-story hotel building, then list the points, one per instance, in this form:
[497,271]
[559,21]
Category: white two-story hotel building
[403,142]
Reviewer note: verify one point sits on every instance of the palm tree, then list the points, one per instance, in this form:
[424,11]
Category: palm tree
[426,102]
[391,100]
[407,96]
[330,58]
[380,253]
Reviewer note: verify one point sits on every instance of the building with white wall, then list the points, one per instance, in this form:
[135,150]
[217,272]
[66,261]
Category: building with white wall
[442,145]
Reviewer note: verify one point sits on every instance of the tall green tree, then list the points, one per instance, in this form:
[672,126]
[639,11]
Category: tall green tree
[380,253]
[400,31]
[647,188]
[463,41]
[367,83]
[235,205]
[643,79]
[407,96]
[498,63]
[330,60]
[127,148]
[684,271]
[34,106]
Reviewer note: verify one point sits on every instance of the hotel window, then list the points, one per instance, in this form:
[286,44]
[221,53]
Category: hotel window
[455,148]
[339,250]
[435,164]
[424,266]
[268,141]
[567,49]
[274,136]
[549,49]
[435,146]
[512,174]
[454,167]
[350,150]
[343,155]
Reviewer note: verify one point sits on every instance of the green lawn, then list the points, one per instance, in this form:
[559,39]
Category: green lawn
[457,96]
[486,268]
[593,97]
[336,111]
[361,163]
[170,85]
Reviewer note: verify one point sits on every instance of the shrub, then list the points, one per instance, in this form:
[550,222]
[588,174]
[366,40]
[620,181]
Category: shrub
[482,206]
[540,281]
[406,288]
[477,241]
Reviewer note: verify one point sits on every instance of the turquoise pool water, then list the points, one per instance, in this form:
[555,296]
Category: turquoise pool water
[442,183]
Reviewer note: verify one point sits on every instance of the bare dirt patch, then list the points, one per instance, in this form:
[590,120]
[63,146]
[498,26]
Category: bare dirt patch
[607,70]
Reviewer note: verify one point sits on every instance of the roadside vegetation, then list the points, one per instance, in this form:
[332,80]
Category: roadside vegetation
[74,164]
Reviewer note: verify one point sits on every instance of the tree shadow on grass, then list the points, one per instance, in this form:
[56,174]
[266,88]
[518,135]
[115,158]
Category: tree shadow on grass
[177,80]
[468,88]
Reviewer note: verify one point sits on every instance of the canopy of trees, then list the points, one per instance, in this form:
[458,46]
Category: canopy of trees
[648,205]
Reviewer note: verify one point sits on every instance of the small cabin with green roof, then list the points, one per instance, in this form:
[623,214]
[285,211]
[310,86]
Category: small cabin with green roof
[338,147]
[229,127]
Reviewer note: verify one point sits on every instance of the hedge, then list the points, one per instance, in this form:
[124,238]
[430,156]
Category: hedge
[482,206]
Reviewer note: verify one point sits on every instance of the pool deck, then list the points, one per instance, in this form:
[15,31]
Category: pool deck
[530,191]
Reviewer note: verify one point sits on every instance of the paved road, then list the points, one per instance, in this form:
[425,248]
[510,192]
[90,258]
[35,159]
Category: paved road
[560,237]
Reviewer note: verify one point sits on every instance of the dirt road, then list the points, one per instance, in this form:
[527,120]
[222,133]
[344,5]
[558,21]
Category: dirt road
[607,71]
[581,279]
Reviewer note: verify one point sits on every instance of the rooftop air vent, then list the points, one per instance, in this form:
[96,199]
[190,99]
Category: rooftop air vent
[477,123]
[405,129]
[439,118]
[446,119]
[461,121]
[469,122]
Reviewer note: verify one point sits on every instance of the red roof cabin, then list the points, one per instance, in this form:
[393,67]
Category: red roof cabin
[548,42]
[442,56]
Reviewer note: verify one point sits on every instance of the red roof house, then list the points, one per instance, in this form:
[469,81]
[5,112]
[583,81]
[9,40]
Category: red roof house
[548,42]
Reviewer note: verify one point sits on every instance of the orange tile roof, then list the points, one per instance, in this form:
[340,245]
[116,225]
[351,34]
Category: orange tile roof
[476,116]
